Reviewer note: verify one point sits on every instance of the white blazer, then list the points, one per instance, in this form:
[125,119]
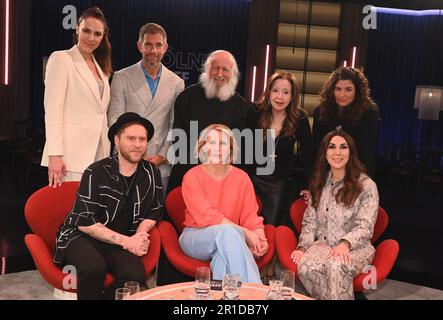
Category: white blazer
[75,113]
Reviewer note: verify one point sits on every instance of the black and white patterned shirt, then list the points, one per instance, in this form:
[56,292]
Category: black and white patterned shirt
[105,197]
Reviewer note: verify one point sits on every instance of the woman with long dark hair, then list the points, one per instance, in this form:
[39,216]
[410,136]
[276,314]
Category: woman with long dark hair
[335,241]
[76,99]
[346,101]
[277,111]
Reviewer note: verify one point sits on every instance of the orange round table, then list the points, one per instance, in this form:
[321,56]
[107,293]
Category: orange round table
[185,291]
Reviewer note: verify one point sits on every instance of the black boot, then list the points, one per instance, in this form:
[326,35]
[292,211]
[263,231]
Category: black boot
[359,296]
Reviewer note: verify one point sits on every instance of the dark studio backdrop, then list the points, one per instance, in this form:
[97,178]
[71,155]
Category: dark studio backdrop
[405,51]
[194,29]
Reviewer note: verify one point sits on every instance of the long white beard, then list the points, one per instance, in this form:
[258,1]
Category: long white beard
[223,93]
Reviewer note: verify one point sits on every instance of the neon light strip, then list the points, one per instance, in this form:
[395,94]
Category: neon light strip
[7,44]
[266,66]
[419,13]
[3,266]
[354,51]
[345,63]
[254,73]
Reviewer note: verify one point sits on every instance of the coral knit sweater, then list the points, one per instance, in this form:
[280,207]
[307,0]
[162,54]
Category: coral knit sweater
[208,200]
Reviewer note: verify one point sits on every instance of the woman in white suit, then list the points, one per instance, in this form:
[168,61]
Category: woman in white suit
[76,99]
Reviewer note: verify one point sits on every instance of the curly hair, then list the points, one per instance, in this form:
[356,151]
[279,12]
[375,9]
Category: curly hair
[352,186]
[329,110]
[103,53]
[293,112]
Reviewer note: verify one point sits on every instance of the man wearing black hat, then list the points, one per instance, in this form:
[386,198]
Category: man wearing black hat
[118,202]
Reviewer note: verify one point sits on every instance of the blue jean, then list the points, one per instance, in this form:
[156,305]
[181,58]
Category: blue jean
[225,246]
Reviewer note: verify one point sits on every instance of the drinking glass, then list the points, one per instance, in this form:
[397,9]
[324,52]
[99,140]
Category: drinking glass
[202,282]
[274,292]
[133,286]
[122,294]
[288,283]
[230,287]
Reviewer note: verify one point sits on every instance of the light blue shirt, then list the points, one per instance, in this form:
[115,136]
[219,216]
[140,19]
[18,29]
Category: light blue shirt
[153,84]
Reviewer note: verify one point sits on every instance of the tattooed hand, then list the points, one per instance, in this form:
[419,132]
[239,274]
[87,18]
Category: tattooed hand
[138,244]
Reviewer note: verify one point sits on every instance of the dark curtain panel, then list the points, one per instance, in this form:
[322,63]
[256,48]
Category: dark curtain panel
[263,29]
[352,34]
[194,28]
[405,51]
[14,98]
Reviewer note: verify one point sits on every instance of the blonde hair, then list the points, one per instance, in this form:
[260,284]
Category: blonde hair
[203,139]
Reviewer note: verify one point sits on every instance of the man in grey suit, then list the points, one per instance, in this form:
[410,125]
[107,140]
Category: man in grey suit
[149,89]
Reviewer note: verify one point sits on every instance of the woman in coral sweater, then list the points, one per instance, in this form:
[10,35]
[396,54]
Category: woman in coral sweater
[221,220]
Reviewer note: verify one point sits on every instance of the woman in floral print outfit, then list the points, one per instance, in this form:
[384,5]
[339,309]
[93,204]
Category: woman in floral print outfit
[335,242]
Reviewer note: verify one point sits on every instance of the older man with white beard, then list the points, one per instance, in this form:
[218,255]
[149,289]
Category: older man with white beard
[212,100]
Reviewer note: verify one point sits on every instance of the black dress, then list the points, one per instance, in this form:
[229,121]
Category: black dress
[364,134]
[279,189]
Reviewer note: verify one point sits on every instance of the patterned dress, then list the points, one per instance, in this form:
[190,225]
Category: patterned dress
[322,229]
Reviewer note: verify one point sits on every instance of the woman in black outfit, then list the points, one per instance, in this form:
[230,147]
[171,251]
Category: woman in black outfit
[277,110]
[346,102]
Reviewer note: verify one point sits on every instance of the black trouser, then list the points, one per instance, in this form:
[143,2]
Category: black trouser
[93,259]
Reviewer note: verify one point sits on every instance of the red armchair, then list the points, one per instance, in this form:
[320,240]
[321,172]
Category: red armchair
[175,206]
[385,253]
[45,211]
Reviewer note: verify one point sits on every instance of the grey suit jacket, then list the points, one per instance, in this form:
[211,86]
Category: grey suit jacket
[130,93]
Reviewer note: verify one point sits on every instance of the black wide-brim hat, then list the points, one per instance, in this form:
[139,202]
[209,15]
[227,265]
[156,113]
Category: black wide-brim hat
[129,117]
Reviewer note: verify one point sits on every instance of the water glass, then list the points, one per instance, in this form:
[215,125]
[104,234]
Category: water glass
[231,287]
[274,292]
[133,286]
[122,294]
[202,282]
[288,283]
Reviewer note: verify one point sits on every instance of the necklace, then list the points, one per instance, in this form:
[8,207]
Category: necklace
[130,180]
[280,124]
[273,155]
[125,179]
